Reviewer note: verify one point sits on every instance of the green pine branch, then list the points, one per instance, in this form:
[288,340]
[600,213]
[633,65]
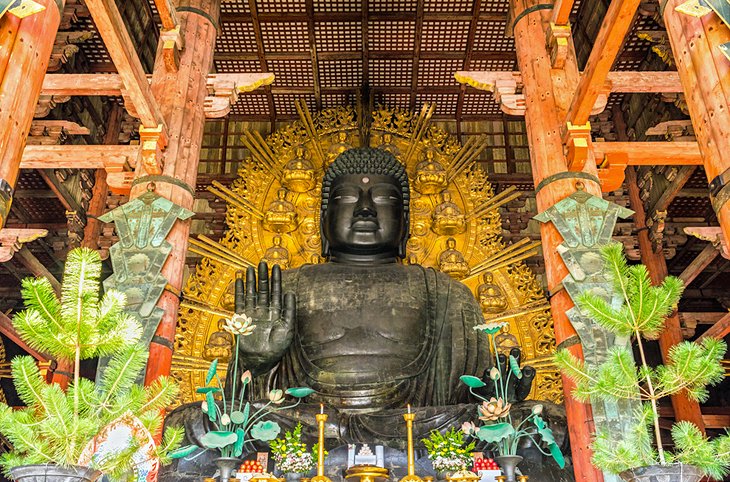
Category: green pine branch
[689,366]
[56,426]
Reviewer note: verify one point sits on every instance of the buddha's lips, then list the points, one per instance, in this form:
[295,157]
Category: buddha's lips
[364,225]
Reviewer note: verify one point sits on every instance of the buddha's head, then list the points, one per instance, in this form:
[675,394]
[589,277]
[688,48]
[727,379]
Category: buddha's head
[365,207]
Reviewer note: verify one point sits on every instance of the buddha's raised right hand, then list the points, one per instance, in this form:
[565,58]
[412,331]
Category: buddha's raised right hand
[262,301]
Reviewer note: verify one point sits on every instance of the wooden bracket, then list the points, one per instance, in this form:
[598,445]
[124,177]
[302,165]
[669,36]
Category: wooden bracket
[713,234]
[223,90]
[611,170]
[12,240]
[577,141]
[154,140]
[557,44]
[172,45]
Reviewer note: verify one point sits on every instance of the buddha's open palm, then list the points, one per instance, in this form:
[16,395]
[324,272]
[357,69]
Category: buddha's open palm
[273,315]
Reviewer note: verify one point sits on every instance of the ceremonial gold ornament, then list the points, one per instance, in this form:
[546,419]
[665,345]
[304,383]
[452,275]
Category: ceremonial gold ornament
[273,214]
[320,477]
[366,473]
[411,476]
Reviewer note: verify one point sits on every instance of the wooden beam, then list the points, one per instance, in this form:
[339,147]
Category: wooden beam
[416,56]
[111,158]
[698,265]
[309,6]
[719,330]
[614,28]
[116,38]
[666,198]
[701,317]
[62,193]
[37,268]
[713,417]
[262,58]
[7,329]
[561,12]
[25,52]
[616,81]
[167,13]
[82,84]
[652,153]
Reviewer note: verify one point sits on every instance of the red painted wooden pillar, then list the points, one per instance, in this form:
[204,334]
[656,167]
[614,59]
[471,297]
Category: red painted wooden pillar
[25,50]
[181,96]
[705,75]
[548,93]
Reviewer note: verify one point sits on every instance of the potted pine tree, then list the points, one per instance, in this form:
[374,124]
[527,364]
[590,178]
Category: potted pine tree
[690,366]
[56,430]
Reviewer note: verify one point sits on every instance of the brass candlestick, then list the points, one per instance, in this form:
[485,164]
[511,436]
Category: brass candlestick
[411,477]
[320,477]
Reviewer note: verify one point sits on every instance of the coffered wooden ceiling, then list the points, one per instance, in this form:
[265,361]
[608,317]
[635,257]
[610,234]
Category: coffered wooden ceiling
[403,52]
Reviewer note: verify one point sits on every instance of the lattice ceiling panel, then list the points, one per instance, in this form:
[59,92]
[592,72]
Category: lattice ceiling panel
[392,36]
[444,36]
[338,36]
[495,65]
[340,73]
[42,209]
[335,100]
[392,5]
[614,99]
[292,72]
[94,49]
[251,104]
[390,73]
[698,180]
[449,6]
[234,7]
[284,103]
[495,6]
[438,72]
[402,101]
[281,6]
[236,37]
[347,6]
[237,65]
[480,104]
[689,207]
[30,179]
[445,103]
[490,37]
[285,36]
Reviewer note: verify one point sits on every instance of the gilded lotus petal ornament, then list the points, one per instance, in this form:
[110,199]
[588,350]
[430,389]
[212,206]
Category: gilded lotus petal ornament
[493,410]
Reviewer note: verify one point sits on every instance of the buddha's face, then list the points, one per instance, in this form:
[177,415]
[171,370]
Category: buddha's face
[364,215]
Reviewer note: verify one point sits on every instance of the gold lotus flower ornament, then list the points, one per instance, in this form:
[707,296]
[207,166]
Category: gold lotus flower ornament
[493,409]
[239,324]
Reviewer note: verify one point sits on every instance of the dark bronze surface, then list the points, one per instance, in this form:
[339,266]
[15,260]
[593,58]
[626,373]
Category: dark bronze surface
[368,333]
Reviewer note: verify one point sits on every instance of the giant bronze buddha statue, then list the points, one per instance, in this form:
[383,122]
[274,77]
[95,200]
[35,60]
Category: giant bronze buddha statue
[368,333]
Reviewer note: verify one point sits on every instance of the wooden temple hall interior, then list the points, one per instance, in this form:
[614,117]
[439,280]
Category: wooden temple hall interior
[227,113]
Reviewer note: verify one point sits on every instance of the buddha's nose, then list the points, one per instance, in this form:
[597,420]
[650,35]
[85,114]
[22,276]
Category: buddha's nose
[365,207]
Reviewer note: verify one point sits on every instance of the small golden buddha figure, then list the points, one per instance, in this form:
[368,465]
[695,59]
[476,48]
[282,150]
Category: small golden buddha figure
[447,217]
[387,145]
[452,262]
[340,143]
[505,340]
[491,297]
[430,174]
[277,254]
[220,345]
[298,174]
[281,217]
